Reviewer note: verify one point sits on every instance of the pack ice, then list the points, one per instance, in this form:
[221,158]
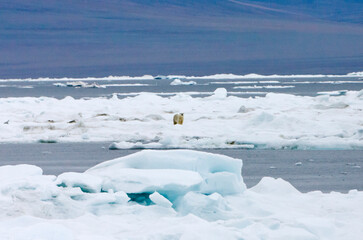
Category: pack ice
[169,194]
[276,121]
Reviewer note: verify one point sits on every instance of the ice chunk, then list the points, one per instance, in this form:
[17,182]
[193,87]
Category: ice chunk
[172,173]
[274,186]
[180,82]
[81,84]
[87,182]
[160,200]
[9,172]
[220,93]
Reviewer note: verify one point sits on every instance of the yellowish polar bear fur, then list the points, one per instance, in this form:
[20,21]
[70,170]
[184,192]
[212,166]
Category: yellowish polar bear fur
[178,118]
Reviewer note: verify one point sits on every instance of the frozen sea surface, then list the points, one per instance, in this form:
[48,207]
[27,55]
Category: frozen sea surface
[329,120]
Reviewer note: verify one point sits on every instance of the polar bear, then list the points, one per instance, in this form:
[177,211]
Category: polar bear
[178,118]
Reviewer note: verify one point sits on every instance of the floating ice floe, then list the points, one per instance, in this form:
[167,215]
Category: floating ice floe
[79,84]
[333,93]
[173,194]
[48,79]
[275,121]
[180,82]
[168,77]
[264,86]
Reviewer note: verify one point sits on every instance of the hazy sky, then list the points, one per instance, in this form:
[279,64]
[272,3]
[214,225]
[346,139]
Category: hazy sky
[42,38]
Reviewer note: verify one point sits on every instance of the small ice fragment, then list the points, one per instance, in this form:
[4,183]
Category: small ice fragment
[179,82]
[160,200]
[311,160]
[272,167]
[220,93]
[351,164]
[298,164]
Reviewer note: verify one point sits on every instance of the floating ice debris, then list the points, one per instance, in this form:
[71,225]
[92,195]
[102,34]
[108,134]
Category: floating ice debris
[220,93]
[180,82]
[60,84]
[351,164]
[234,82]
[334,93]
[263,87]
[79,84]
[169,77]
[83,85]
[298,164]
[161,77]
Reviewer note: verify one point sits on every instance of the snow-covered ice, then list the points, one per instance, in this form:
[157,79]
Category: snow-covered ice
[274,121]
[83,84]
[178,194]
[180,82]
[181,77]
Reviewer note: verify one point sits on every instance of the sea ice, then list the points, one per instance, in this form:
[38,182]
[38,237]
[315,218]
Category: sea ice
[180,82]
[81,206]
[275,121]
[160,200]
[171,173]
